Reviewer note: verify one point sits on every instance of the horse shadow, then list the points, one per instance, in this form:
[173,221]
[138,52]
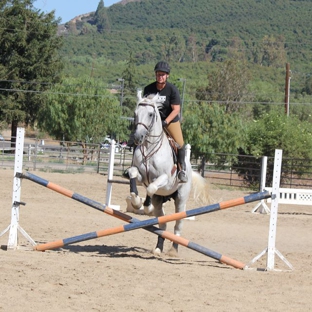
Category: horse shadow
[120,251]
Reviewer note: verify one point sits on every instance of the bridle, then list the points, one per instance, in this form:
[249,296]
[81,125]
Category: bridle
[148,128]
[155,143]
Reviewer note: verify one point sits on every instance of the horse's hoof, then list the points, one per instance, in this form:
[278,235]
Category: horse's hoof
[173,252]
[125,174]
[157,252]
[137,207]
[136,201]
[148,210]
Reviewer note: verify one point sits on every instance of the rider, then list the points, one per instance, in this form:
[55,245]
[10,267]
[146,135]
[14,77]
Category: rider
[170,112]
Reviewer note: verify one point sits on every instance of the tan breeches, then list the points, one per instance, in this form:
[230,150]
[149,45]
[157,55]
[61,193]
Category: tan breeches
[174,129]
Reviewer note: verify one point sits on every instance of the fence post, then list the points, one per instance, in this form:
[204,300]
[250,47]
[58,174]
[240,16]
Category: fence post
[202,166]
[35,155]
[98,162]
[29,152]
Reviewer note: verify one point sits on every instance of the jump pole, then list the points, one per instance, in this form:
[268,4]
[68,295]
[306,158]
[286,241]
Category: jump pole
[125,217]
[163,219]
[150,222]
[164,234]
[151,228]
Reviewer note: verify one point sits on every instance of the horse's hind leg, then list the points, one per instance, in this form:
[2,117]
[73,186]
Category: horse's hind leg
[180,205]
[173,251]
[157,202]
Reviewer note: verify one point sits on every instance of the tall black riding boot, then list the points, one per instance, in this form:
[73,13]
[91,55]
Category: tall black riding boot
[181,160]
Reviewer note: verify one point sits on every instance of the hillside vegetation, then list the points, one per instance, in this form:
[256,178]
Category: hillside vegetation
[183,31]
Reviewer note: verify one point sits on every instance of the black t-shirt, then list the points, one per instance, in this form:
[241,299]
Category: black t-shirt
[168,95]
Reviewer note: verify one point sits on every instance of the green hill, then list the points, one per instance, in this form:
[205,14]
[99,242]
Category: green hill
[187,32]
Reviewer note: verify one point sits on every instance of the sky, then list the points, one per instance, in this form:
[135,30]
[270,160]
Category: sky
[68,9]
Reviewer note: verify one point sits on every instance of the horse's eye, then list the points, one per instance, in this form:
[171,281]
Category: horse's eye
[151,115]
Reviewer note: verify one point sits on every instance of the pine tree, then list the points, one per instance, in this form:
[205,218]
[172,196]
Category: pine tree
[130,84]
[101,18]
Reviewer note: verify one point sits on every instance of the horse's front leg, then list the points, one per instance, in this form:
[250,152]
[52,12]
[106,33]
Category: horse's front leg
[161,181]
[151,190]
[136,200]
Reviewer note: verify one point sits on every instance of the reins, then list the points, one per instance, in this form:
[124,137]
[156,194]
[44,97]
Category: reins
[156,144]
[150,127]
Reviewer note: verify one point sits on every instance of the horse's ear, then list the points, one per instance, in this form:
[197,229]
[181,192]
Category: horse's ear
[139,95]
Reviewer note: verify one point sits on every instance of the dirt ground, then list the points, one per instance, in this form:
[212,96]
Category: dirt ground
[119,272]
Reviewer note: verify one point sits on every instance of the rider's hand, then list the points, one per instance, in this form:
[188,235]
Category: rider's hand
[164,123]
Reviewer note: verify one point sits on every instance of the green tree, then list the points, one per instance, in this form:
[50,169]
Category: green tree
[129,75]
[274,53]
[228,85]
[308,85]
[173,49]
[236,49]
[210,129]
[192,48]
[81,110]
[29,60]
[276,130]
[263,94]
[101,18]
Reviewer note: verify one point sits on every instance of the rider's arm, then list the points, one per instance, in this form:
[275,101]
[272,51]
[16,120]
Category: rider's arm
[175,112]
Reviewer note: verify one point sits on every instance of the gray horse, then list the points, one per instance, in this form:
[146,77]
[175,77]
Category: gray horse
[155,167]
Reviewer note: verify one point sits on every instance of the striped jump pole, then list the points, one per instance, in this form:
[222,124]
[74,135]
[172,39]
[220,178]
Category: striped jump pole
[165,234]
[127,218]
[82,199]
[150,222]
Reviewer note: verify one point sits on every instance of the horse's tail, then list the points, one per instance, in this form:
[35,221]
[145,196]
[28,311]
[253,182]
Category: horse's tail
[201,189]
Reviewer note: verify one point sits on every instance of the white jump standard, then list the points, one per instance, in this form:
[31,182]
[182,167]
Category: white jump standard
[15,227]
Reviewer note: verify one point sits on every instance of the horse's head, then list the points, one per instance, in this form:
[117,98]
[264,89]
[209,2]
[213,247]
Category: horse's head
[147,118]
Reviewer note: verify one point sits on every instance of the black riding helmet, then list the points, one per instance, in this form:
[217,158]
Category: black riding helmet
[162,66]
